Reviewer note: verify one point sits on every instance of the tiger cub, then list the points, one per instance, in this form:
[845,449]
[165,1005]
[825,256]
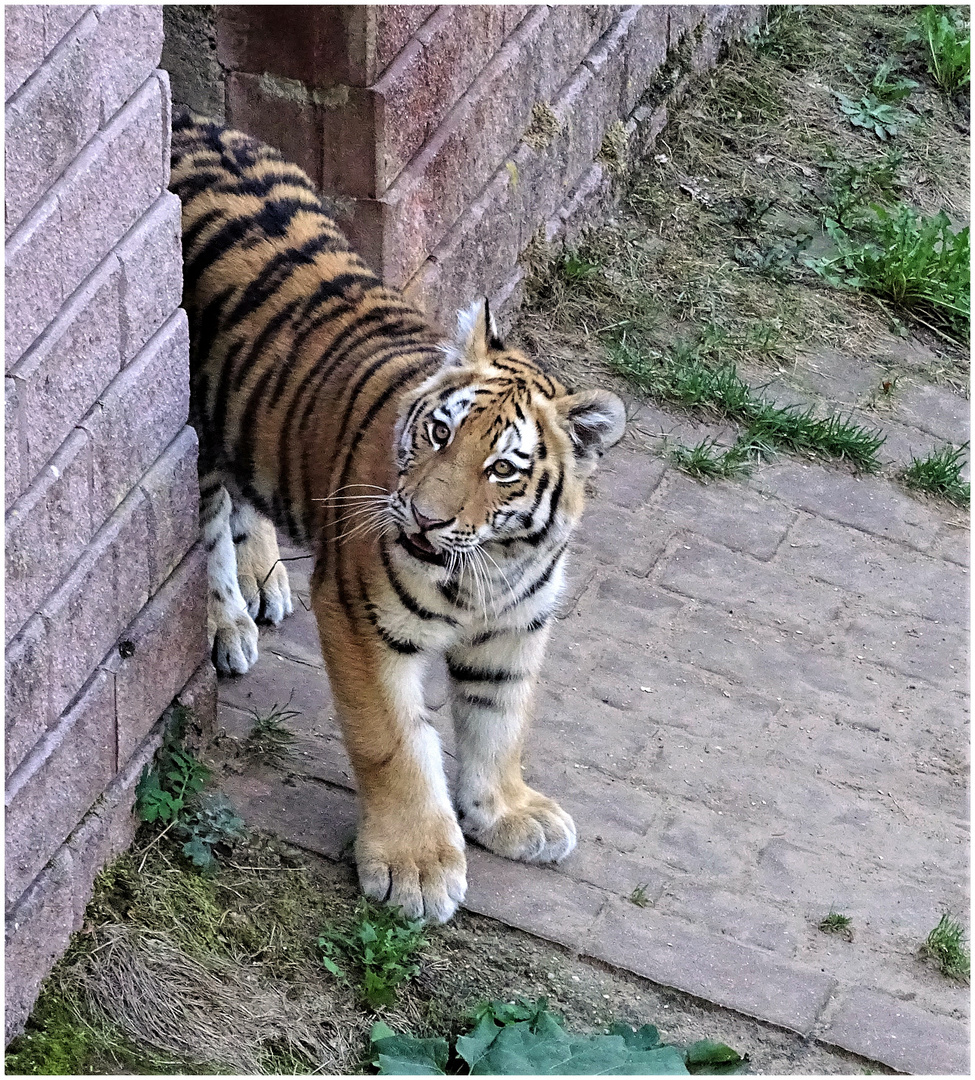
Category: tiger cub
[435,481]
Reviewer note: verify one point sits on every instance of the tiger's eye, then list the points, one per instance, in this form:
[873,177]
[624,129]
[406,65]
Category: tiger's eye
[439,433]
[503,469]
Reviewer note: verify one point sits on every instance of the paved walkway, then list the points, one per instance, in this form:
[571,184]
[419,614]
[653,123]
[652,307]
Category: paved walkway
[755,707]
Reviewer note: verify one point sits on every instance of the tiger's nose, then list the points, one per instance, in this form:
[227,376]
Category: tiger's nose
[428,522]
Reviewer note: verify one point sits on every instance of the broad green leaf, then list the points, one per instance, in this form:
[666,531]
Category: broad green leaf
[404,1055]
[473,1047]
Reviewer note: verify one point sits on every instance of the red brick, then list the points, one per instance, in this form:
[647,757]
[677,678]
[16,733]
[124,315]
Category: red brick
[152,277]
[54,788]
[55,395]
[105,590]
[46,531]
[168,639]
[27,702]
[172,492]
[138,415]
[38,930]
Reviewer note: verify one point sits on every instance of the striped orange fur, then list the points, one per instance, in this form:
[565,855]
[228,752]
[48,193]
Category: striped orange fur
[436,481]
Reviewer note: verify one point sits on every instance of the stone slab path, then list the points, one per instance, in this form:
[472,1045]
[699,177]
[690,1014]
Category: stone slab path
[755,706]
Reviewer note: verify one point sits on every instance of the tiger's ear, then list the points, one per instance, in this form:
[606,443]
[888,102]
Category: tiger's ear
[596,420]
[477,334]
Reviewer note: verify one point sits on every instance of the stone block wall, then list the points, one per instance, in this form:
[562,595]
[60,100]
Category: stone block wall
[454,132]
[105,586]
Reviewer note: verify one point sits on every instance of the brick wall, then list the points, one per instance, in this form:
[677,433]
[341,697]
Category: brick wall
[104,575]
[455,132]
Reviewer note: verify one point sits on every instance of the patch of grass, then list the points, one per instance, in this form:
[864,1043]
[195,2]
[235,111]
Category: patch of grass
[939,473]
[381,945]
[835,923]
[707,460]
[688,377]
[853,186]
[948,40]
[639,896]
[945,945]
[919,264]
[270,740]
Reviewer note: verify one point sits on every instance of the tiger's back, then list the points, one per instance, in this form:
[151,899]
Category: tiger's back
[284,319]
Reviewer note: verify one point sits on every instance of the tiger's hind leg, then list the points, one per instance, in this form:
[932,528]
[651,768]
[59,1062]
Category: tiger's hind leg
[231,630]
[261,575]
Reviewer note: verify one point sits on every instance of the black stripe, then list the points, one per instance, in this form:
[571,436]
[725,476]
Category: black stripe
[538,582]
[227,237]
[411,605]
[463,673]
[481,702]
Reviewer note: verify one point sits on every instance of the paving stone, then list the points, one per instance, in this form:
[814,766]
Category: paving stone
[885,575]
[882,1028]
[618,538]
[628,479]
[678,954]
[750,522]
[867,503]
[759,591]
[531,898]
[937,410]
[729,913]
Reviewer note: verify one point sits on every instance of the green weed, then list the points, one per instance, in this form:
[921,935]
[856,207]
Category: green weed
[945,946]
[639,896]
[693,375]
[948,41]
[940,474]
[852,187]
[919,264]
[835,923]
[523,1038]
[170,793]
[269,740]
[877,108]
[381,945]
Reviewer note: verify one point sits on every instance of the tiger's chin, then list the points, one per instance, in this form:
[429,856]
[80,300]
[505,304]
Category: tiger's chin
[420,548]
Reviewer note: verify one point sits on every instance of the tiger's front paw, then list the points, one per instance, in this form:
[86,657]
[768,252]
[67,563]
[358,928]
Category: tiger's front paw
[269,599]
[422,870]
[530,828]
[233,637]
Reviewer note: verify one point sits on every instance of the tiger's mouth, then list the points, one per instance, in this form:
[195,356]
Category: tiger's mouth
[421,548]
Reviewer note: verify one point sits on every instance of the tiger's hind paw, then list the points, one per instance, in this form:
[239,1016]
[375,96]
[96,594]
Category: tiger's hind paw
[536,831]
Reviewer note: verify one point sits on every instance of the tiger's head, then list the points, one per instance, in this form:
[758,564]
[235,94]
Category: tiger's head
[493,451]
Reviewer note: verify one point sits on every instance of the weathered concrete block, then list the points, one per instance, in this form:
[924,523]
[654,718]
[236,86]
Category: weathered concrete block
[103,593]
[13,480]
[141,412]
[27,697]
[37,933]
[164,646]
[172,492]
[394,25]
[46,531]
[152,280]
[31,31]
[53,789]
[63,374]
[101,195]
[80,86]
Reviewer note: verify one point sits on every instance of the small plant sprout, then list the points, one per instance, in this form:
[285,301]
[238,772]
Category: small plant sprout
[945,945]
[708,460]
[940,474]
[269,739]
[948,41]
[639,896]
[381,946]
[835,923]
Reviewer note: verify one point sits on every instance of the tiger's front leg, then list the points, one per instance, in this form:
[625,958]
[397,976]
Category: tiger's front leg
[409,848]
[491,685]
